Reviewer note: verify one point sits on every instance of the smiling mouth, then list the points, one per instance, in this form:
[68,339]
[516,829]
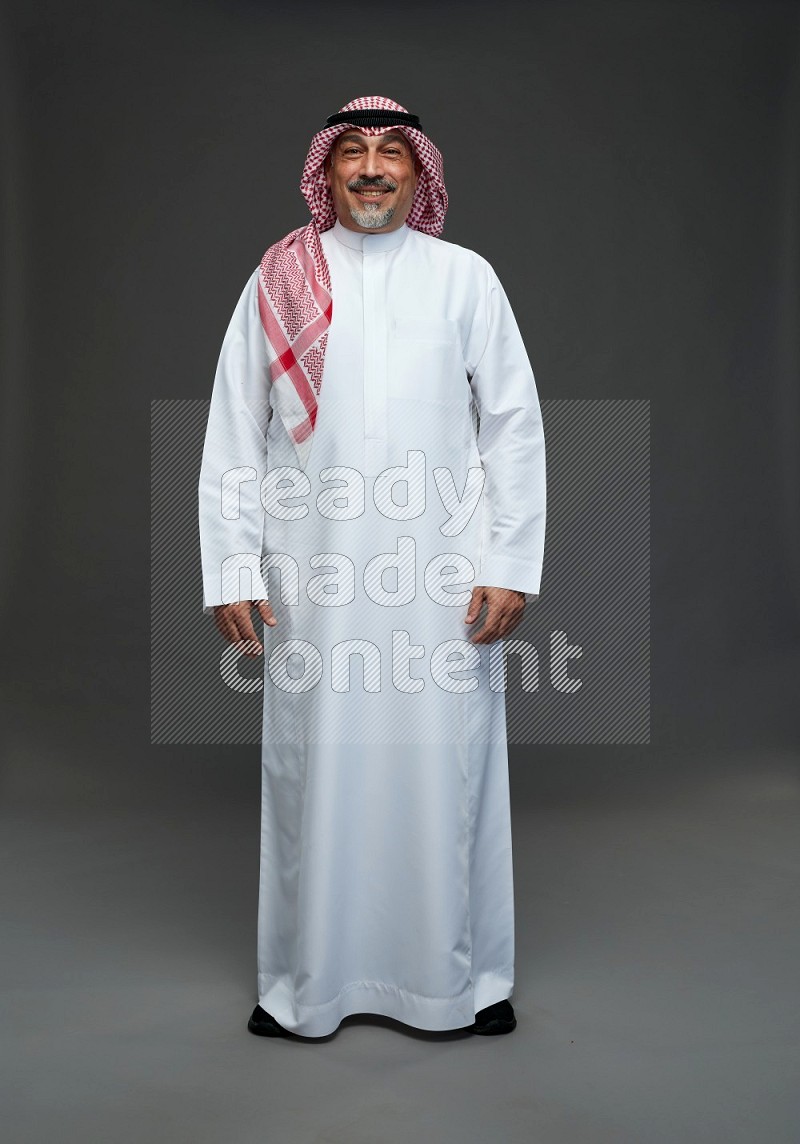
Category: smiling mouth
[371,192]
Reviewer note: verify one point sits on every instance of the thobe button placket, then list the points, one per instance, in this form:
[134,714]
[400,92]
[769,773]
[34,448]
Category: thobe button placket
[375,355]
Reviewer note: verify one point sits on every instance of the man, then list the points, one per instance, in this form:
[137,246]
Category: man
[375,436]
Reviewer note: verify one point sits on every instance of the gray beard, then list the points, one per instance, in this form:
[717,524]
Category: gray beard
[372,218]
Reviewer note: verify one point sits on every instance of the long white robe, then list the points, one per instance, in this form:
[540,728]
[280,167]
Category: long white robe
[386,867]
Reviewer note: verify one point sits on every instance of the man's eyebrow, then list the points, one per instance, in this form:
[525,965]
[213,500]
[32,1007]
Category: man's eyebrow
[388,137]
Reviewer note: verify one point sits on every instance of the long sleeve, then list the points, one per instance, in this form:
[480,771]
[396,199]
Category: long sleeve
[231,516]
[511,445]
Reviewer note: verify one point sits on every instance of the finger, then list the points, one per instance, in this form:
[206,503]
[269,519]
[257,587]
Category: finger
[511,609]
[491,625]
[226,624]
[233,621]
[266,612]
[503,616]
[237,624]
[475,603]
[229,630]
[251,644]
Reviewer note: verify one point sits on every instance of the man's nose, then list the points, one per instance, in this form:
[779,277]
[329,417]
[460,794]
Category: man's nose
[372,165]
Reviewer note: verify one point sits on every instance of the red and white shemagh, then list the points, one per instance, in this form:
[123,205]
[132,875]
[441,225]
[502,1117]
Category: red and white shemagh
[294,296]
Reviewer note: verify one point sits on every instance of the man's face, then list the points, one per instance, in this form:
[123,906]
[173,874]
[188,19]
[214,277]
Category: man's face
[372,180]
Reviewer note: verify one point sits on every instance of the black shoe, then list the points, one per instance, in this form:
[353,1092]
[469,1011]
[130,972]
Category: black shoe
[494,1019]
[263,1024]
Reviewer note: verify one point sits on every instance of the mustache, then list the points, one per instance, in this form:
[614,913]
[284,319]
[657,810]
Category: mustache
[376,183]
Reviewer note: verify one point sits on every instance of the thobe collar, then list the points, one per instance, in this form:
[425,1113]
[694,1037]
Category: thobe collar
[370,243]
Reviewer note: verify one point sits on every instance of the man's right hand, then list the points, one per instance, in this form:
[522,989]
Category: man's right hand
[236,626]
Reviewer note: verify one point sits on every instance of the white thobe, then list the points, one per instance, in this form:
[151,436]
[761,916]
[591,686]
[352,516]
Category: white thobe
[386,867]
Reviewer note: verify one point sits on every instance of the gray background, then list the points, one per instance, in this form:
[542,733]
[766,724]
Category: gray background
[631,171]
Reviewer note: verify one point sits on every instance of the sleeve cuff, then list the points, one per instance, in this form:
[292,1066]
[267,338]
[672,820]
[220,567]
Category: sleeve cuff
[215,593]
[508,572]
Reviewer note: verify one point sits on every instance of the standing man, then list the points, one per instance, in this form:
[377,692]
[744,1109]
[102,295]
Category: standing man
[375,438]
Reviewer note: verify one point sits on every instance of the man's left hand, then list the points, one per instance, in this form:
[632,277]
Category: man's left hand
[505,608]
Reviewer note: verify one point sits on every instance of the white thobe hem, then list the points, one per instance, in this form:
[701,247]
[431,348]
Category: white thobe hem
[433,1014]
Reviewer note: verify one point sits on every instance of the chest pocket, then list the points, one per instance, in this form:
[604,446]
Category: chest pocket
[426,361]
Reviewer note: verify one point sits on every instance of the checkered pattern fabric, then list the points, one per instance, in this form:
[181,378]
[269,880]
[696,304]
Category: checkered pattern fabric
[294,297]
